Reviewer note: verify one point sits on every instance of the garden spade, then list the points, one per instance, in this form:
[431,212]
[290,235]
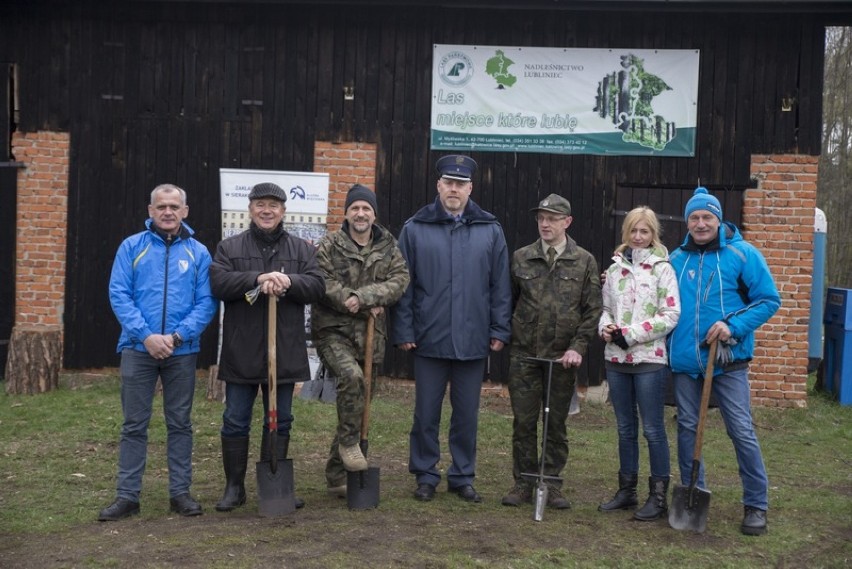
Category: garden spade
[541,486]
[362,488]
[274,476]
[691,504]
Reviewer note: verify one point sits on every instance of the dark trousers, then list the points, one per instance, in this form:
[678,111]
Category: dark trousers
[431,377]
[528,390]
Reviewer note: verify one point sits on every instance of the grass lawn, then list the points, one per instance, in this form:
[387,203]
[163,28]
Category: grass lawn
[58,455]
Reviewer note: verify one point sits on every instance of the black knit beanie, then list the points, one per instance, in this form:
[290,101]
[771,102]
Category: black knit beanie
[359,192]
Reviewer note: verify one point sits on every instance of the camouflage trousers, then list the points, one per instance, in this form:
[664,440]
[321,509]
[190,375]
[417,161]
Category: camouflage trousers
[343,361]
[527,385]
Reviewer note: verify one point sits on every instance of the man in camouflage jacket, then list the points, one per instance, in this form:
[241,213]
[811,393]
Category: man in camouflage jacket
[556,296]
[364,272]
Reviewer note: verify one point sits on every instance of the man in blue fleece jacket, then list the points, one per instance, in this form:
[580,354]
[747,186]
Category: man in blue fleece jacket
[726,293]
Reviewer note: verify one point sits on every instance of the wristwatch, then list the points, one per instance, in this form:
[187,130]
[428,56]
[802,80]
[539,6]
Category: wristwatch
[177,341]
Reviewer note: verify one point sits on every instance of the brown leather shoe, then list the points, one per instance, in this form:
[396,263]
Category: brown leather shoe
[521,493]
[556,500]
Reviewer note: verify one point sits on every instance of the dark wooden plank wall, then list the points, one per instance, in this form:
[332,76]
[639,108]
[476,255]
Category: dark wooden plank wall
[8,213]
[157,92]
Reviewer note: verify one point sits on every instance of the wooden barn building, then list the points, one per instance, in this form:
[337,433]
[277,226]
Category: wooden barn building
[103,100]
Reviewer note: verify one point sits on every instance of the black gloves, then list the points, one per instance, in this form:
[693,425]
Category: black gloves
[618,339]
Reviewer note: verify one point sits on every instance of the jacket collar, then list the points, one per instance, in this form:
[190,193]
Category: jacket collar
[435,213]
[728,233]
[185,231]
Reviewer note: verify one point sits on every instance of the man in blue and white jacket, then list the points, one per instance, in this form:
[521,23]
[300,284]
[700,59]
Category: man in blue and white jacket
[160,293]
[726,293]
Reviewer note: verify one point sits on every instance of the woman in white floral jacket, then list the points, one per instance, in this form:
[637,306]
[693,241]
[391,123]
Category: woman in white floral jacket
[641,305]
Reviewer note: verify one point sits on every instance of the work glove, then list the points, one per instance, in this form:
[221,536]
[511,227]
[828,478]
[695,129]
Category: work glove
[252,295]
[724,355]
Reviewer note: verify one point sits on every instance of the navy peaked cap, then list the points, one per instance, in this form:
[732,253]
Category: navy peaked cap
[456,167]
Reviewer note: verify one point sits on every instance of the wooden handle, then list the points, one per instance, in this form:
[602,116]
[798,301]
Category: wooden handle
[368,375]
[705,402]
[272,360]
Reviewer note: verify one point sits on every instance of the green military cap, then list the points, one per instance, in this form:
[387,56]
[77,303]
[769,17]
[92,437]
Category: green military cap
[554,203]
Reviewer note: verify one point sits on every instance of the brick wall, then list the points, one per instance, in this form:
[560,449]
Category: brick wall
[42,223]
[778,218]
[346,163]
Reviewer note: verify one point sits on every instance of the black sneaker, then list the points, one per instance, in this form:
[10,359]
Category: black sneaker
[754,521]
[121,508]
[184,505]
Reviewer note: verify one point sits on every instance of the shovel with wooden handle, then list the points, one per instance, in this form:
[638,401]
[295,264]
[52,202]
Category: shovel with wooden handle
[690,504]
[362,488]
[274,476]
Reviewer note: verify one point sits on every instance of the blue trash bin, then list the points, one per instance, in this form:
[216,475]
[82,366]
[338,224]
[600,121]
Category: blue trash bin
[837,356]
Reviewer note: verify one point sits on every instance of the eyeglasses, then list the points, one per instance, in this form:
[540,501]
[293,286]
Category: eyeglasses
[550,218]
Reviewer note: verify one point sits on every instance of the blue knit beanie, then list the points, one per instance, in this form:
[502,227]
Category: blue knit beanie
[702,199]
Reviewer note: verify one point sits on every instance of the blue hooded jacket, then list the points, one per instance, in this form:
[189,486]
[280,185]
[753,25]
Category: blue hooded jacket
[728,280]
[460,293]
[156,288]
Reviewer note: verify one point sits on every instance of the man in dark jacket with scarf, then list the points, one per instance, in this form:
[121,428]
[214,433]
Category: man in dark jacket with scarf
[268,258]
[364,272]
[457,308]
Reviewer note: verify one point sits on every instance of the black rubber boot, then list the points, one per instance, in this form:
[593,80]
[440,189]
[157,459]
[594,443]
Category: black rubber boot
[625,498]
[656,506]
[234,459]
[283,449]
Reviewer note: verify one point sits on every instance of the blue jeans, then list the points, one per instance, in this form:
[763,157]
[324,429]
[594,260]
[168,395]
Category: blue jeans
[431,376]
[139,372]
[733,394]
[239,401]
[632,396]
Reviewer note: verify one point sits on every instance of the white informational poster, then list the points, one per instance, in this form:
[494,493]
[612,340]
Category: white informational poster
[307,200]
[307,210]
[564,100]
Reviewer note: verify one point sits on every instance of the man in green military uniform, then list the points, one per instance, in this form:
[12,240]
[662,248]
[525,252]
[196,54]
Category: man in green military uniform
[364,272]
[556,296]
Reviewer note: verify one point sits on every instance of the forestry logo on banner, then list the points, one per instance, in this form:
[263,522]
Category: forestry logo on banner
[455,69]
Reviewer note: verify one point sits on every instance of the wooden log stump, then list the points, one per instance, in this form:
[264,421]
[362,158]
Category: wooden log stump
[215,388]
[34,359]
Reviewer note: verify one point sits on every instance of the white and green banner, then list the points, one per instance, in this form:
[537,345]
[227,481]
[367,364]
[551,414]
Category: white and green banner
[565,100]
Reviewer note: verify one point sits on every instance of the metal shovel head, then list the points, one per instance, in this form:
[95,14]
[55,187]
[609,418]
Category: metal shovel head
[540,501]
[362,489]
[329,390]
[275,493]
[311,390]
[689,508]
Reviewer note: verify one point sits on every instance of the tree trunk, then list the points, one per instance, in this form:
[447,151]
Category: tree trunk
[34,360]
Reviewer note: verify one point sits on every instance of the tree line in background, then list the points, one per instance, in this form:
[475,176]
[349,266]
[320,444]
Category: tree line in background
[834,196]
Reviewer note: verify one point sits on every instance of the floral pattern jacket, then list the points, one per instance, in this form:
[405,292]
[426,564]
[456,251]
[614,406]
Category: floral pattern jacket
[640,296]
